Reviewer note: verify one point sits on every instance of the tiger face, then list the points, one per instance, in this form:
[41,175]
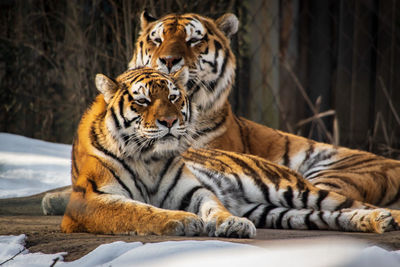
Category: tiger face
[191,40]
[147,112]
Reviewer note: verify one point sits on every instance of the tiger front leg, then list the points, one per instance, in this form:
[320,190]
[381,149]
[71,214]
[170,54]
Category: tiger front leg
[219,221]
[115,214]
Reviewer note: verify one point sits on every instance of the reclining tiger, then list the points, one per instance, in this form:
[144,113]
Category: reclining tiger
[202,44]
[129,173]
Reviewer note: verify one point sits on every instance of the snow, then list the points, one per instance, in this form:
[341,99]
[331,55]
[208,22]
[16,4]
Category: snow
[29,166]
[207,253]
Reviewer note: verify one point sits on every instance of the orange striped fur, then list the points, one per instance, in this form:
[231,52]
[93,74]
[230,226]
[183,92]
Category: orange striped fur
[131,174]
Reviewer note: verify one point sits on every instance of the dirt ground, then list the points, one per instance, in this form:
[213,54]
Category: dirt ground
[24,216]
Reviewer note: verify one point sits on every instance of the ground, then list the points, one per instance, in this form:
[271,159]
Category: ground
[24,216]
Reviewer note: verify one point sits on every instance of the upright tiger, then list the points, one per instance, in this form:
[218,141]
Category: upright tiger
[129,176]
[202,44]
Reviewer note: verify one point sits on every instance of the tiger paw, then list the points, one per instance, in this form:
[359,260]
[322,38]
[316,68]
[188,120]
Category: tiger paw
[375,221]
[396,217]
[232,226]
[183,224]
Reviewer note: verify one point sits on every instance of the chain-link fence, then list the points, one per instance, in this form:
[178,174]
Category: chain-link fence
[322,69]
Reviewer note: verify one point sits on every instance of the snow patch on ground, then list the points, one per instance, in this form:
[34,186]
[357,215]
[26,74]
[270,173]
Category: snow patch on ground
[206,253]
[29,166]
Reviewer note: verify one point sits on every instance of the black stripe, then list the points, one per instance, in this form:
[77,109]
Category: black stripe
[288,195]
[310,174]
[286,159]
[189,103]
[74,170]
[278,224]
[222,74]
[176,179]
[395,199]
[94,187]
[74,166]
[338,223]
[121,108]
[214,70]
[345,180]
[321,217]
[343,160]
[327,184]
[162,174]
[345,204]
[269,174]
[249,212]
[263,217]
[324,155]
[240,184]
[355,213]
[351,165]
[378,165]
[188,198]
[212,129]
[300,183]
[95,143]
[383,186]
[196,208]
[310,225]
[205,51]
[210,175]
[194,156]
[79,189]
[205,39]
[251,173]
[129,123]
[114,116]
[309,151]
[304,197]
[243,137]
[116,177]
[322,194]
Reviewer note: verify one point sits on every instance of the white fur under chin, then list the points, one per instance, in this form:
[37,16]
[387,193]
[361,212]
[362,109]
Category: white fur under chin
[167,148]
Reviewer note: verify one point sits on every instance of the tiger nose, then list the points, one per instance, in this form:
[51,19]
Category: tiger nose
[170,61]
[168,121]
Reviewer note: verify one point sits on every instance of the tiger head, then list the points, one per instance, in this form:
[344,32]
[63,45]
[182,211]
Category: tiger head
[147,112]
[191,40]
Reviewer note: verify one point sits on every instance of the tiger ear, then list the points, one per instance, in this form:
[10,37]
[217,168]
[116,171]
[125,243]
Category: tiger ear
[181,77]
[228,24]
[145,19]
[106,86]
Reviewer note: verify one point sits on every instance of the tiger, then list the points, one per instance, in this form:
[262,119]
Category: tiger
[132,173]
[203,45]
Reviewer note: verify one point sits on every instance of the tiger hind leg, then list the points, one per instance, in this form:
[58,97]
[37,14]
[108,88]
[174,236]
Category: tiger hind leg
[352,220]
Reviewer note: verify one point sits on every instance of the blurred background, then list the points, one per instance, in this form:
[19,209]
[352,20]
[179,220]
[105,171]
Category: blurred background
[327,70]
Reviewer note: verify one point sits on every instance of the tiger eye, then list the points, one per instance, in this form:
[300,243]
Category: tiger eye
[173,97]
